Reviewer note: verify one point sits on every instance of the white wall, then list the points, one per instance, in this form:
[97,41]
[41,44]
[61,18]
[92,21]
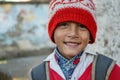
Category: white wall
[108,36]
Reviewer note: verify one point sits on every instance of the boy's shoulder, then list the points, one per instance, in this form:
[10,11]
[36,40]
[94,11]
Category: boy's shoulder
[102,67]
[38,71]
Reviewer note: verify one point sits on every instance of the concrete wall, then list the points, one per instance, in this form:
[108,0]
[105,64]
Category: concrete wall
[108,36]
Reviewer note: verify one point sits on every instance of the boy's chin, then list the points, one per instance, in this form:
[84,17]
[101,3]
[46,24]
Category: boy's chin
[71,54]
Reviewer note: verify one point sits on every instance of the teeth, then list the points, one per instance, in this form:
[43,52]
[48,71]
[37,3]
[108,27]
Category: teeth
[71,44]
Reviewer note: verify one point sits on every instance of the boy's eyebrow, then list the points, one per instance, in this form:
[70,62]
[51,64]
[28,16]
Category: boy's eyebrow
[61,23]
[82,25]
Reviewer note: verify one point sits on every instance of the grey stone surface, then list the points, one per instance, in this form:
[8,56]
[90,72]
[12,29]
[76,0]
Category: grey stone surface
[19,68]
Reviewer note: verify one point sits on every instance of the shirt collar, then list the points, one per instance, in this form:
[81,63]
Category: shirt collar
[62,60]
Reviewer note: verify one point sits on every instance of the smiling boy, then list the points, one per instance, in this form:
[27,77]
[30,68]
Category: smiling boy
[72,26]
[71,38]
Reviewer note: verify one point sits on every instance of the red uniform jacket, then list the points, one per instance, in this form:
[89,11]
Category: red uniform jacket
[82,71]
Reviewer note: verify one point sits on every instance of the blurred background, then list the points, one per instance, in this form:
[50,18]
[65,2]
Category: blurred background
[24,41]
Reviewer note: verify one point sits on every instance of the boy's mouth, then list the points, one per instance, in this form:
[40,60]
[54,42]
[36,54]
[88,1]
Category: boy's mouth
[72,44]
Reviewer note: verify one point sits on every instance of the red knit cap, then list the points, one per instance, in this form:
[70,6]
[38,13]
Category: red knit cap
[81,11]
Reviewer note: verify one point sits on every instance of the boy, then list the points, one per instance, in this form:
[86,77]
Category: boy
[72,26]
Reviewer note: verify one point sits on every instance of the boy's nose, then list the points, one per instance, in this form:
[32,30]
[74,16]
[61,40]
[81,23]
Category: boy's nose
[73,31]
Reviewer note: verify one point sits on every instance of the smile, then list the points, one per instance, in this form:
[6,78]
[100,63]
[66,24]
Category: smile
[72,44]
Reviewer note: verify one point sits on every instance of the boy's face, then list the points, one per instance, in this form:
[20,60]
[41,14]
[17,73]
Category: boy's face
[71,38]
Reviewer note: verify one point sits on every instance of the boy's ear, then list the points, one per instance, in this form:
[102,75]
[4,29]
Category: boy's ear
[53,39]
[90,38]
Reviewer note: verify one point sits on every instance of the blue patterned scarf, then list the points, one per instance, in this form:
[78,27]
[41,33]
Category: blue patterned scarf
[67,66]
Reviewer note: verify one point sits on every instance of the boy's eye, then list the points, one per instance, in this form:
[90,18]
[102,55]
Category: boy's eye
[82,27]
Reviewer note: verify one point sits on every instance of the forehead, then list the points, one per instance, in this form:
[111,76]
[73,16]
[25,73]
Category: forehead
[72,22]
